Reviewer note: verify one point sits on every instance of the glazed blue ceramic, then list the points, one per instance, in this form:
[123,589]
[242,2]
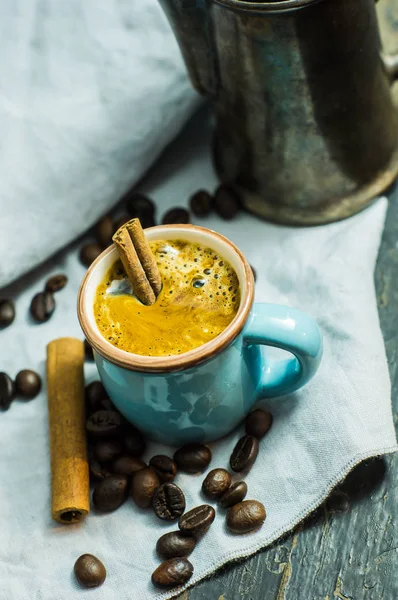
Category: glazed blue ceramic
[203,394]
[207,401]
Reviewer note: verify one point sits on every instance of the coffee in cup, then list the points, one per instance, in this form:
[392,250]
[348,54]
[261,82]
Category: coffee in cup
[199,299]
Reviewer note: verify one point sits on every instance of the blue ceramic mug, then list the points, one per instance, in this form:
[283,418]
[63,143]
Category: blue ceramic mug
[203,394]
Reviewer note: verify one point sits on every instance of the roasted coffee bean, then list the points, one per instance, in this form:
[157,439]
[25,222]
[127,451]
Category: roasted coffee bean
[134,442]
[98,471]
[107,450]
[104,231]
[89,571]
[198,520]
[147,220]
[258,423]
[172,572]
[216,483]
[7,313]
[137,204]
[193,458]
[236,493]
[244,454]
[175,544]
[144,485]
[56,283]
[127,465]
[140,207]
[200,203]
[254,272]
[111,492]
[42,306]
[88,351]
[28,383]
[95,394]
[120,221]
[89,252]
[7,391]
[176,216]
[164,466]
[245,516]
[107,404]
[168,502]
[226,202]
[104,424]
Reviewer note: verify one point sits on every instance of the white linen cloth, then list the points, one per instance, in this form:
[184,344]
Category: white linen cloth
[318,435]
[90,94]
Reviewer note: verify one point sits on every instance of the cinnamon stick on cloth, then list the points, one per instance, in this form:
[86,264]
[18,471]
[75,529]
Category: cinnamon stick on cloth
[70,489]
[138,261]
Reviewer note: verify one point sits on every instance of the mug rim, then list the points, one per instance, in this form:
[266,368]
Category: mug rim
[178,362]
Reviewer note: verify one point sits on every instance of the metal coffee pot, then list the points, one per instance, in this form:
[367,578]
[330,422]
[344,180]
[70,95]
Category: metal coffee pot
[306,128]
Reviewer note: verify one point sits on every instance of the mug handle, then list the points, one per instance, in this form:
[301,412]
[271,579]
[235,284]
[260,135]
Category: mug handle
[291,330]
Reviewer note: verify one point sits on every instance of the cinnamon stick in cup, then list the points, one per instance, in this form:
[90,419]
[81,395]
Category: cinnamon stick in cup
[70,488]
[138,261]
[145,254]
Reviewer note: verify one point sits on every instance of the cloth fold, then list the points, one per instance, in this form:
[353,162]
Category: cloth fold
[342,417]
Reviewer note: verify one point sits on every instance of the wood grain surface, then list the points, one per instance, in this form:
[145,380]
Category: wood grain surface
[348,549]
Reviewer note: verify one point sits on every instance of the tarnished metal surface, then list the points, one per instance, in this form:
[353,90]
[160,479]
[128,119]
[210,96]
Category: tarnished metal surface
[305,123]
[191,22]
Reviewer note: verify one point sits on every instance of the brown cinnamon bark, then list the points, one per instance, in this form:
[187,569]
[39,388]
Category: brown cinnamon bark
[145,254]
[138,261]
[70,488]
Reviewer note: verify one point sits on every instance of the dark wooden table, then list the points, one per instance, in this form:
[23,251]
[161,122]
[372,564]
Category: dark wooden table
[348,549]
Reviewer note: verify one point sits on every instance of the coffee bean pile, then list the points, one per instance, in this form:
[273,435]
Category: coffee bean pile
[118,472]
[27,385]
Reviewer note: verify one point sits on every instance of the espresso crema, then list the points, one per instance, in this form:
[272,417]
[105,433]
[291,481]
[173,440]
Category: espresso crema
[199,299]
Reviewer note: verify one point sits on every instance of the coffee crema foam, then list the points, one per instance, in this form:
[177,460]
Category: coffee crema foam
[199,299]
